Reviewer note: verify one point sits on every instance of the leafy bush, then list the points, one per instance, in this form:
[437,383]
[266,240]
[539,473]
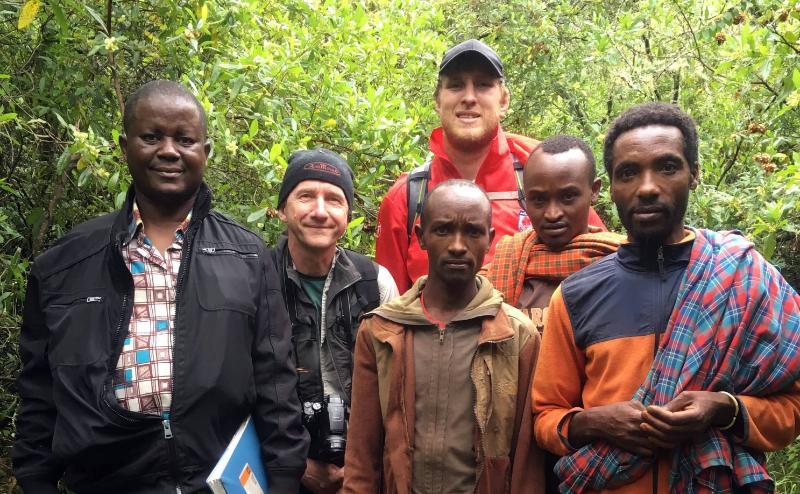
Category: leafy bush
[358,76]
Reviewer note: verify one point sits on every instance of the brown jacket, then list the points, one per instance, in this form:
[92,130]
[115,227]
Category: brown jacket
[380,437]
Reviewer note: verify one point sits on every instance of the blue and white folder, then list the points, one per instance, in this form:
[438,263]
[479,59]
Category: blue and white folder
[240,469]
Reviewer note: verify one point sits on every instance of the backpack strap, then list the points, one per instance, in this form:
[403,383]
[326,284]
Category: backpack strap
[518,170]
[416,189]
[367,288]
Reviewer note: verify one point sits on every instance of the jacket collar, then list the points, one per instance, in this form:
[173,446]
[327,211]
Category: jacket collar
[406,311]
[498,150]
[344,275]
[640,257]
[200,209]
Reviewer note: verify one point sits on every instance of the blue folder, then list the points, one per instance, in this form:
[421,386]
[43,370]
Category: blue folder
[240,470]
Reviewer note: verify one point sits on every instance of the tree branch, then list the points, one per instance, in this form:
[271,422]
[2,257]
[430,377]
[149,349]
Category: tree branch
[731,162]
[112,62]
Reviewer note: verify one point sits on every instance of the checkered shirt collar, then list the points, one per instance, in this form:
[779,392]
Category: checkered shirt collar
[136,224]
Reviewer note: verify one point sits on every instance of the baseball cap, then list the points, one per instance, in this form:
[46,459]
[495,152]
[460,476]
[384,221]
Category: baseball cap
[472,47]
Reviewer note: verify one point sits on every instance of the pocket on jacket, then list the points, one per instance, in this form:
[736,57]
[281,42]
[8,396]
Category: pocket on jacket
[78,325]
[230,276]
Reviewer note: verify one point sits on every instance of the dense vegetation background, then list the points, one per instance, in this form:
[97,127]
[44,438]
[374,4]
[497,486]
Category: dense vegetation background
[358,76]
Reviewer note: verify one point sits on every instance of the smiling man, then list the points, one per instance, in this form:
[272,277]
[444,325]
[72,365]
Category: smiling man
[327,289]
[671,365]
[150,333]
[441,380]
[471,99]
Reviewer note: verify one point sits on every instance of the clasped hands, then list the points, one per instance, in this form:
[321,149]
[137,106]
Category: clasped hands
[642,430]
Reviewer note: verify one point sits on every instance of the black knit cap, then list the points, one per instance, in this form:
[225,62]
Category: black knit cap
[317,164]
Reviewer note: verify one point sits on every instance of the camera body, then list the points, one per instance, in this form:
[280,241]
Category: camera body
[326,422]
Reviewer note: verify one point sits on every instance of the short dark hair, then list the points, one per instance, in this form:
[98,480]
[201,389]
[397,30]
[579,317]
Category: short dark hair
[162,88]
[562,143]
[464,64]
[452,183]
[653,113]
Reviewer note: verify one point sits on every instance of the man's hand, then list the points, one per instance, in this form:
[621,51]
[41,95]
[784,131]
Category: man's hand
[688,414]
[618,423]
[322,478]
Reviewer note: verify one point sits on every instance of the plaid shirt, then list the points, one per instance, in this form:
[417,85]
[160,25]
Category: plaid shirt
[143,376]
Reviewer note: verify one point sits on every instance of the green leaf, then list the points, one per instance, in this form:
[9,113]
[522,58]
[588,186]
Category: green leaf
[355,222]
[84,176]
[796,78]
[120,199]
[7,117]
[61,164]
[257,215]
[115,136]
[253,128]
[768,246]
[61,19]
[97,18]
[275,151]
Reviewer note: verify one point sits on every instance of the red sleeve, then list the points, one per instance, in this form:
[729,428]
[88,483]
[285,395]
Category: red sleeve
[391,245]
[364,454]
[558,380]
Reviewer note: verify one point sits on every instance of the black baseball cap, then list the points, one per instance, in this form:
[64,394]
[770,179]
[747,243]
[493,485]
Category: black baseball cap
[472,47]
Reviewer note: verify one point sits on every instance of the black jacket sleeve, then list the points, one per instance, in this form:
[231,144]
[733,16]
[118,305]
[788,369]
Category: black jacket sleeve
[284,440]
[35,467]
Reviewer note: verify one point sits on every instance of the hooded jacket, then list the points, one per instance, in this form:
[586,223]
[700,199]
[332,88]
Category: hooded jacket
[231,358]
[380,448]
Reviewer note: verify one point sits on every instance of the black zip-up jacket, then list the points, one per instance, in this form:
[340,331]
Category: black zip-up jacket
[231,358]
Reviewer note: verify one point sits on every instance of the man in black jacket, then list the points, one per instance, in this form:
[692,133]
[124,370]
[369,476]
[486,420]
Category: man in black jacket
[150,333]
[326,289]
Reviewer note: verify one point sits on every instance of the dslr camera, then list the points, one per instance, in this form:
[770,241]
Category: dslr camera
[326,422]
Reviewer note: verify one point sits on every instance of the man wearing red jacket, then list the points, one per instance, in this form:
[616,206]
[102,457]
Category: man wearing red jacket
[470,98]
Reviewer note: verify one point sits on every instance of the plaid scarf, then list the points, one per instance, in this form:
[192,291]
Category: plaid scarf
[519,256]
[735,327]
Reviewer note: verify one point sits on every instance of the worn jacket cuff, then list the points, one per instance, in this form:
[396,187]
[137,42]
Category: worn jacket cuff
[284,481]
[38,485]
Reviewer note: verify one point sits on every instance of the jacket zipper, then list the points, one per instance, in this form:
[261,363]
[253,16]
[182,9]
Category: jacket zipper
[168,434]
[659,297]
[86,300]
[171,446]
[229,252]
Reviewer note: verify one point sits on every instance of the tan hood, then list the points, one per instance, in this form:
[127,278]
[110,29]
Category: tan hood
[407,308]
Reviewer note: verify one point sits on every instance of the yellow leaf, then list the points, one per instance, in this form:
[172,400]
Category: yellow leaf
[27,13]
[204,11]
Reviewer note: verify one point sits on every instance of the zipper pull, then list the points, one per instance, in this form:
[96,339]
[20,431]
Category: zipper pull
[89,300]
[167,429]
[208,250]
[441,335]
[661,262]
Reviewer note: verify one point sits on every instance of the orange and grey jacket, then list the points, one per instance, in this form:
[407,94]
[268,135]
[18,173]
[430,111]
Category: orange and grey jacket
[603,329]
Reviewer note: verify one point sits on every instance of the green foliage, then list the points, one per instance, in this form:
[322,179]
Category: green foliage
[358,77]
